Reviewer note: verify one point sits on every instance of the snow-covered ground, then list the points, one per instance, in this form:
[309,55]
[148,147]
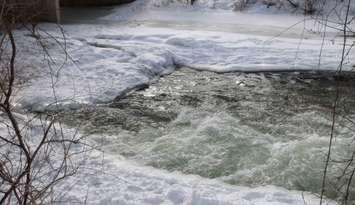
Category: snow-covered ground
[133,46]
[112,181]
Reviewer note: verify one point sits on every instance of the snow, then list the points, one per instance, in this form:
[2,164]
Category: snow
[249,6]
[111,59]
[116,181]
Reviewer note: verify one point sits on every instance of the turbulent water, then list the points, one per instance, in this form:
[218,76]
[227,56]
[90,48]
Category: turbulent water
[246,129]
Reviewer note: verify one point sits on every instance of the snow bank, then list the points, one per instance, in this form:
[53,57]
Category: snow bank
[95,72]
[268,6]
[111,181]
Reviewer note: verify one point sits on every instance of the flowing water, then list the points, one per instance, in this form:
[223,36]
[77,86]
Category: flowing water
[246,129]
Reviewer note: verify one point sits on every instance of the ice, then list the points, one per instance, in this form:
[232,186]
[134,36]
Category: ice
[112,60]
[135,44]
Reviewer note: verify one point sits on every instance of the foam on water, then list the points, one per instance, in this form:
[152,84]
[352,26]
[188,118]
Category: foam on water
[241,129]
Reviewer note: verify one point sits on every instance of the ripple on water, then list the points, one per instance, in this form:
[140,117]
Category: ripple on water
[250,129]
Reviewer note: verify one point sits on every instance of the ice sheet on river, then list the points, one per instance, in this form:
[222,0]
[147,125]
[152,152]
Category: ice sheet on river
[112,59]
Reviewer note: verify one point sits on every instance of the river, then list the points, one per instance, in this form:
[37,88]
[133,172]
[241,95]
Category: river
[241,128]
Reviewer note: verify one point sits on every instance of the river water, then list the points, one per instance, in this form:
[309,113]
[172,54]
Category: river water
[241,128]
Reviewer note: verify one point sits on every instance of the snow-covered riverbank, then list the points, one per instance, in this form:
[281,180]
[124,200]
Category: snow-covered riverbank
[112,181]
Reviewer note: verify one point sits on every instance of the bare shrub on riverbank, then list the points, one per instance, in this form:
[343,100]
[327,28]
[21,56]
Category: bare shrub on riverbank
[308,7]
[346,175]
[35,151]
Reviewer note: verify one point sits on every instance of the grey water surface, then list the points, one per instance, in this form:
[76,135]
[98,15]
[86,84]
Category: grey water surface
[241,128]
